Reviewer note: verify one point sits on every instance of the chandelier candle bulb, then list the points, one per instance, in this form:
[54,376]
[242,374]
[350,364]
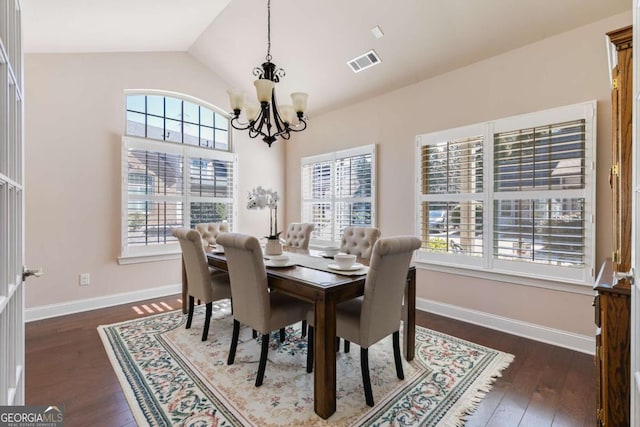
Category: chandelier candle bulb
[299,101]
[264,89]
[252,110]
[287,114]
[236,99]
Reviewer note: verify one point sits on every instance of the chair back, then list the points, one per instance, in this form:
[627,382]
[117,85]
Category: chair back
[195,263]
[298,234]
[210,230]
[248,277]
[359,241]
[384,287]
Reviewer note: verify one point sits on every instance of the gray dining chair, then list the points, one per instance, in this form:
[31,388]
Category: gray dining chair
[298,234]
[252,303]
[375,315]
[210,230]
[204,283]
[359,240]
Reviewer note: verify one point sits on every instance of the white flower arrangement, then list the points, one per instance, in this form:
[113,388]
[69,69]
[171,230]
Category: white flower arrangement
[259,198]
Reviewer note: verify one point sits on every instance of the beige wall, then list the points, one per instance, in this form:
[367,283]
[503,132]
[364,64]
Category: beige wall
[74,120]
[566,69]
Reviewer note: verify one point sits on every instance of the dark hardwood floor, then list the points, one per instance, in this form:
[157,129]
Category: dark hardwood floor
[66,364]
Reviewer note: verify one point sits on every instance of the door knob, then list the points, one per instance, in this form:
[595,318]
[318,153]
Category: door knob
[26,272]
[629,275]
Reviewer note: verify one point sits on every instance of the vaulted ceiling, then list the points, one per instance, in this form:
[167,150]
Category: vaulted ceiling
[312,40]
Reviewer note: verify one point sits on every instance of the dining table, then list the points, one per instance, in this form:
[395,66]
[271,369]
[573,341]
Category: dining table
[308,276]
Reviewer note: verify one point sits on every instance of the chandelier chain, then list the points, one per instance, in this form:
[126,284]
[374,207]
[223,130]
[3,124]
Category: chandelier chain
[268,57]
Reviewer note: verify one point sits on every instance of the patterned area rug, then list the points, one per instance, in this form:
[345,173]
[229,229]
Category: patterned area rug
[170,377]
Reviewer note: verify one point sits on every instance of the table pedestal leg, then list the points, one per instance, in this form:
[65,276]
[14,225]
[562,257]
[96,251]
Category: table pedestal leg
[325,358]
[409,336]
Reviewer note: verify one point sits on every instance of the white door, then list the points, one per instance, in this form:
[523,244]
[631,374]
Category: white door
[11,207]
[635,232]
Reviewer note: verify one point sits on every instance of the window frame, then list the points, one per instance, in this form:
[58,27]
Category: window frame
[188,152]
[488,265]
[200,123]
[333,157]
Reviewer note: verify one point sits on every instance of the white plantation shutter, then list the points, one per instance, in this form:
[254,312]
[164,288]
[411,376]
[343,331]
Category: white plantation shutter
[170,185]
[539,161]
[513,196]
[317,205]
[211,189]
[154,195]
[338,190]
[452,192]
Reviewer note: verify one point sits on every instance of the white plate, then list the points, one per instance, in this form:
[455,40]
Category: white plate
[270,263]
[356,266]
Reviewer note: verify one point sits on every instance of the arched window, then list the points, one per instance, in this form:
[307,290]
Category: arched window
[178,171]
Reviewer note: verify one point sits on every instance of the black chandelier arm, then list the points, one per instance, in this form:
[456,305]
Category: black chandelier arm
[283,133]
[276,114]
[237,124]
[304,126]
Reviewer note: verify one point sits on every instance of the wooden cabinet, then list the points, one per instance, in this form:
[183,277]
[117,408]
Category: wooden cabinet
[620,176]
[613,347]
[613,301]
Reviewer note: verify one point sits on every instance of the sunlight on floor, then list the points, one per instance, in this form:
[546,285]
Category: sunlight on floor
[158,307]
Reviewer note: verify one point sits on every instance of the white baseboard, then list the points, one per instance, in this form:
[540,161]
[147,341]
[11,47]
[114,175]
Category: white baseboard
[54,310]
[570,340]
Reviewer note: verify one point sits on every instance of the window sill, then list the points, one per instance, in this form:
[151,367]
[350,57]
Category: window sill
[563,286]
[141,258]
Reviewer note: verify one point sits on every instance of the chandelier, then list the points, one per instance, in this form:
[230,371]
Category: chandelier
[268,119]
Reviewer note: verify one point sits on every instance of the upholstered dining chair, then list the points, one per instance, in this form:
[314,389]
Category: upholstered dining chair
[359,240]
[210,230]
[252,303]
[298,234]
[205,283]
[377,314]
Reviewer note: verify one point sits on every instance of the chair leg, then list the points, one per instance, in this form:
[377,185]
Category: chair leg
[207,321]
[396,355]
[234,342]
[337,344]
[190,314]
[304,328]
[366,380]
[310,350]
[283,334]
[263,359]
[347,346]
[254,334]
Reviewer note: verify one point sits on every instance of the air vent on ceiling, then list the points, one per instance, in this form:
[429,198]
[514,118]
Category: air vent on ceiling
[365,61]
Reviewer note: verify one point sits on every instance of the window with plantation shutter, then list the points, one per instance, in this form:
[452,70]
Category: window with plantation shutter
[452,190]
[169,183]
[539,183]
[513,196]
[338,190]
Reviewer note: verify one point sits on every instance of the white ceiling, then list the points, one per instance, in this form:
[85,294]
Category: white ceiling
[311,39]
